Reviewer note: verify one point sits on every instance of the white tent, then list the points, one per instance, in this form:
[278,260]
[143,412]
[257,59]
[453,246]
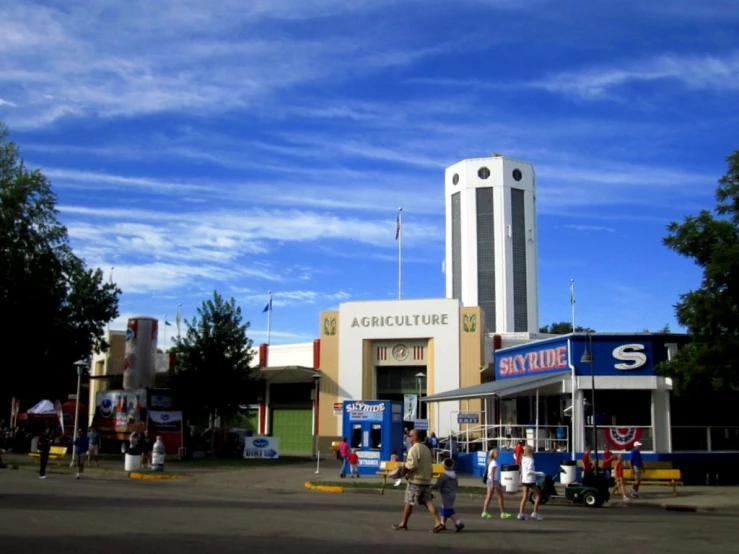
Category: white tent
[44,407]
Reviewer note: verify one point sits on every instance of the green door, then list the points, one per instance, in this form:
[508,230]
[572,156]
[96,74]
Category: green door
[293,427]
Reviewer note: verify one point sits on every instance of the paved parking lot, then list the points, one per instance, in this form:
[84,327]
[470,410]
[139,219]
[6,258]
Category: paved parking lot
[104,513]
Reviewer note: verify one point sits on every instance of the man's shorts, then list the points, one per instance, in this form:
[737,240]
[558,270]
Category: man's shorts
[417,494]
[447,512]
[493,484]
[93,451]
[638,473]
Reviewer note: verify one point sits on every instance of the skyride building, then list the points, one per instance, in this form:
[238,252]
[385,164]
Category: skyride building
[482,371]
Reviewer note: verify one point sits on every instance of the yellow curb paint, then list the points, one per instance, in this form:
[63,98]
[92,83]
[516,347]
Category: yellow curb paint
[151,477]
[323,488]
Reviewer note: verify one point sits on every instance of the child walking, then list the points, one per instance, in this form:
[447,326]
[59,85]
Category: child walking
[528,483]
[493,482]
[619,472]
[81,446]
[447,484]
[353,460]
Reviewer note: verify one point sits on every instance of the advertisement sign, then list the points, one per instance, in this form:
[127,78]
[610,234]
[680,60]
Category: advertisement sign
[539,359]
[421,424]
[369,459]
[120,410]
[59,414]
[165,421]
[337,408]
[160,400]
[257,448]
[469,419]
[365,411]
[410,403]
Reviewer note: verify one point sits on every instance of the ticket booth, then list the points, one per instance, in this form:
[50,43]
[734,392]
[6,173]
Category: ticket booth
[374,428]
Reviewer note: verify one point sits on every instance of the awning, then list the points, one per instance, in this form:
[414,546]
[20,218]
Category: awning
[288,374]
[502,388]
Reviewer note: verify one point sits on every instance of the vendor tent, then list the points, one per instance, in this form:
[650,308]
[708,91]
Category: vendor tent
[45,407]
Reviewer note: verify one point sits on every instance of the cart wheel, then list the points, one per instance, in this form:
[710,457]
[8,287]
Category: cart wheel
[544,499]
[591,500]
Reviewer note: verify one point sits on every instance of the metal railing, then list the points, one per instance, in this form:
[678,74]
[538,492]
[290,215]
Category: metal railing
[694,438]
[505,437]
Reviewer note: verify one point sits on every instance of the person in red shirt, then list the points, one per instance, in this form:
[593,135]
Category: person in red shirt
[353,460]
[607,461]
[620,476]
[517,452]
[587,464]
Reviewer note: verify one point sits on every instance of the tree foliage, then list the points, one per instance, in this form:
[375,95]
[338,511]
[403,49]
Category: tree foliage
[710,312]
[54,308]
[563,328]
[214,373]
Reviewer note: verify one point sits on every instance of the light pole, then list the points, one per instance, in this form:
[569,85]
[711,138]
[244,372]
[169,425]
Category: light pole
[420,376]
[81,365]
[586,358]
[316,381]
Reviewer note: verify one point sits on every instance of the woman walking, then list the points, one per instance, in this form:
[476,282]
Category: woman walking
[528,484]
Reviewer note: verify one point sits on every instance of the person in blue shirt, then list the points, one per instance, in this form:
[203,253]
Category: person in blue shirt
[81,446]
[637,467]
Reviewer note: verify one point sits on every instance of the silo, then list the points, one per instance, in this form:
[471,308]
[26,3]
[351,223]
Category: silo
[139,364]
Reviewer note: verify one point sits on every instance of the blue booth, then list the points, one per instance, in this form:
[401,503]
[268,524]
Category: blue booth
[374,428]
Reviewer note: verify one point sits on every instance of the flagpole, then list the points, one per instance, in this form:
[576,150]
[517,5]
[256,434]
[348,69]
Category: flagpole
[400,253]
[165,333]
[572,302]
[269,316]
[177,320]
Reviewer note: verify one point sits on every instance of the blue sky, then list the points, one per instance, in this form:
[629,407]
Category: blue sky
[258,145]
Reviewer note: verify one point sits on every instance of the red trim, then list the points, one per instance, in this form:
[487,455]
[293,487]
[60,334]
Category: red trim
[263,355]
[317,354]
[497,342]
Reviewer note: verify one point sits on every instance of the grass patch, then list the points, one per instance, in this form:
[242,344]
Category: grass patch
[359,484]
[236,463]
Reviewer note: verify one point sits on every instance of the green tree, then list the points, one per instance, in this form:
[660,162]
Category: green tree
[54,308]
[563,328]
[710,312]
[214,373]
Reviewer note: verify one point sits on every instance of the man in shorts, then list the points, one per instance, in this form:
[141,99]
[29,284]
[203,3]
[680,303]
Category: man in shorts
[419,466]
[637,467]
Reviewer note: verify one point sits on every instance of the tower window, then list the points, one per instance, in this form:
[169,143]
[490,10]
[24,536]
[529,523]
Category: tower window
[455,179]
[483,173]
[517,175]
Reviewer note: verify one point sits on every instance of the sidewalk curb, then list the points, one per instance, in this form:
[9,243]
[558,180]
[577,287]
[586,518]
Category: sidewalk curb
[323,488]
[152,477]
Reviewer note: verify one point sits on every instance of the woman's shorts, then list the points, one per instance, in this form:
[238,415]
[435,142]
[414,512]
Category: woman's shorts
[493,484]
[529,485]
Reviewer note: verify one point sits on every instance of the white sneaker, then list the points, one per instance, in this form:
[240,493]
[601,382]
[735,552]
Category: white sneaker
[42,476]
[537,516]
[78,476]
[522,517]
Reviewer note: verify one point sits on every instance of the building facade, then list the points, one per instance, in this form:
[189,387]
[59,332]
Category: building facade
[491,254]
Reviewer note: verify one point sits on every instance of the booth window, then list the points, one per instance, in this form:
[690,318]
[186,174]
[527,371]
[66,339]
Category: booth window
[376,438]
[356,439]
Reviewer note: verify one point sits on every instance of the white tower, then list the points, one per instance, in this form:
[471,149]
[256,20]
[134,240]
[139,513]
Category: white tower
[491,241]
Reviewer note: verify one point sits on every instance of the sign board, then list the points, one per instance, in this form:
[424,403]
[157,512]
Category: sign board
[410,403]
[259,448]
[463,418]
[337,408]
[421,424]
[369,458]
[365,411]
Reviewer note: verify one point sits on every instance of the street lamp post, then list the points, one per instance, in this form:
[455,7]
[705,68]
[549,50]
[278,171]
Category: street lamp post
[81,365]
[316,381]
[420,376]
[587,357]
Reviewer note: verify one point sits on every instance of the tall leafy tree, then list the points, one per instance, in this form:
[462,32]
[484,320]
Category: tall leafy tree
[54,308]
[214,373]
[563,328]
[710,312]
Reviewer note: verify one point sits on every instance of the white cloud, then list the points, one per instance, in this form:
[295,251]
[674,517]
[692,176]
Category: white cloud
[696,72]
[590,228]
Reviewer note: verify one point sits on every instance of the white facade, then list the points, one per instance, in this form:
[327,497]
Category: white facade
[299,354]
[436,319]
[491,241]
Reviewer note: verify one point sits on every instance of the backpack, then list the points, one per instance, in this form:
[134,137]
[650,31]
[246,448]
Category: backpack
[338,454]
[485,477]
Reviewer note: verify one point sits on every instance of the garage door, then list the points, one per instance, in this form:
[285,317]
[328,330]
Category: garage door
[294,429]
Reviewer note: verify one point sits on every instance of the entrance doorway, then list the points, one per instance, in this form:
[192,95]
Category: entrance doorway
[394,382]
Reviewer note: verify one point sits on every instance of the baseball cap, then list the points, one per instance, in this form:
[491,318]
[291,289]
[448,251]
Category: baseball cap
[637,443]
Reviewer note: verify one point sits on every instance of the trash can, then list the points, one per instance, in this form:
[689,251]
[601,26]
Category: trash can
[133,462]
[510,477]
[568,472]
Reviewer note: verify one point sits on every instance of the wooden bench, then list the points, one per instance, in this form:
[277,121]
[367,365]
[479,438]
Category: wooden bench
[647,465]
[388,467]
[56,454]
[669,477]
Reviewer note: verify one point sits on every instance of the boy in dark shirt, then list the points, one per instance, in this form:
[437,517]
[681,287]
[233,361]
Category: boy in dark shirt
[637,467]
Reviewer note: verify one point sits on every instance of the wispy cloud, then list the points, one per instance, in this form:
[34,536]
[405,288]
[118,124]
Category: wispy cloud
[590,228]
[696,72]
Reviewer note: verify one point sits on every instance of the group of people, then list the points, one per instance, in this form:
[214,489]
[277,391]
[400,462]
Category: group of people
[617,471]
[418,471]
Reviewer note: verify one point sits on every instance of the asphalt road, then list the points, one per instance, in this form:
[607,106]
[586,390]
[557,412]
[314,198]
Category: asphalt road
[114,515]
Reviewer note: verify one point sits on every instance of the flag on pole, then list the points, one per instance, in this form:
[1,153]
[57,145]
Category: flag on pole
[268,306]
[397,227]
[167,322]
[572,292]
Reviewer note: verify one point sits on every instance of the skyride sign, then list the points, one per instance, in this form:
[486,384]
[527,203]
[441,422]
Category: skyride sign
[547,358]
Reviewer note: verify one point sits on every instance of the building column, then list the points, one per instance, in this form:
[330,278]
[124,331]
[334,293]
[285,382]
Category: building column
[661,424]
[577,442]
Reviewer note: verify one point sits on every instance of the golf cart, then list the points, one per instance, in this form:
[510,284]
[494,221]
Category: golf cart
[594,491]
